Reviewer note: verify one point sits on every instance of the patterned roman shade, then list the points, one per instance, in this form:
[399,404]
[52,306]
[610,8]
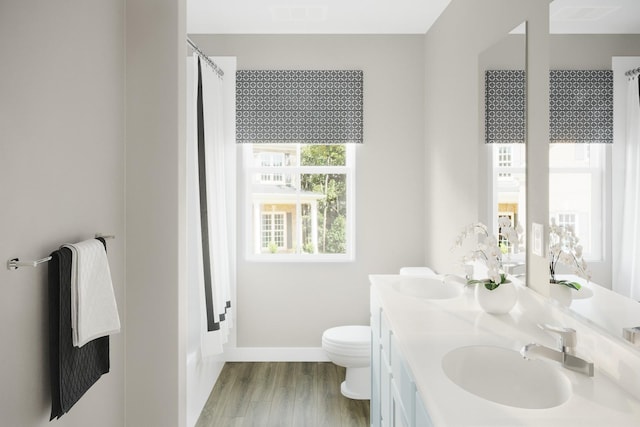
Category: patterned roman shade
[581,106]
[504,106]
[299,106]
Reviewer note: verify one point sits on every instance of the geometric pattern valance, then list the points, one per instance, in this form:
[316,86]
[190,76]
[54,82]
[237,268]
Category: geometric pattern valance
[504,106]
[580,109]
[299,106]
[581,106]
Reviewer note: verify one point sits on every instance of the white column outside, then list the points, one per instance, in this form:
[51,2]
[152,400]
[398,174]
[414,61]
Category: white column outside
[314,225]
[257,223]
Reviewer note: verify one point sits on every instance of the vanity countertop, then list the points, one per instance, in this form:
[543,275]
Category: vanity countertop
[426,330]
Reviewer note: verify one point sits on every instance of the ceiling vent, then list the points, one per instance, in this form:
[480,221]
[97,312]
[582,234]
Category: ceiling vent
[298,13]
[582,13]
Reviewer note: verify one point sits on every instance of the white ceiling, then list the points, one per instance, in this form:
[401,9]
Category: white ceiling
[386,16]
[312,16]
[595,17]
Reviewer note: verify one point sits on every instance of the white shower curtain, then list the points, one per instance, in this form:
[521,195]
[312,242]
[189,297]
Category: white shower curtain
[210,234]
[627,272]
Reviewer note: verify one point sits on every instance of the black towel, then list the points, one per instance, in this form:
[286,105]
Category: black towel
[73,370]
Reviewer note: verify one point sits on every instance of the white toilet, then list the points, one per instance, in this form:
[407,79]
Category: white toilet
[350,346]
[417,271]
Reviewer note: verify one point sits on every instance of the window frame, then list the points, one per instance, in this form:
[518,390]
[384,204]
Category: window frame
[248,169]
[598,210]
[599,176]
[273,230]
[501,174]
[271,178]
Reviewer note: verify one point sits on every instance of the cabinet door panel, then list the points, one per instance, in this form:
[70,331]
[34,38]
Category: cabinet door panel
[385,390]
[421,414]
[375,376]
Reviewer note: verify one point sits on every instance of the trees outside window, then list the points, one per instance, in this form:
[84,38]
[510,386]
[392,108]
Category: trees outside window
[307,188]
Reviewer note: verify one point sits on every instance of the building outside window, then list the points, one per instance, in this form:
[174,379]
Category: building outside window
[576,192]
[509,169]
[273,231]
[504,159]
[299,201]
[271,159]
[576,189]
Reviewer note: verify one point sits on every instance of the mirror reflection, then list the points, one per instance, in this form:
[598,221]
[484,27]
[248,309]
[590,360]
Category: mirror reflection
[594,187]
[592,182]
[503,164]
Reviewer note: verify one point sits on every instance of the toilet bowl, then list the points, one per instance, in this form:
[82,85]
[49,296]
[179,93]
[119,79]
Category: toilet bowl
[350,347]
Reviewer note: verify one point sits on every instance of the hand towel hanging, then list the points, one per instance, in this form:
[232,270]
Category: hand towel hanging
[73,370]
[93,304]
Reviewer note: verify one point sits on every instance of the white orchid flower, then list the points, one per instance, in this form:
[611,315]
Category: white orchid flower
[578,251]
[504,221]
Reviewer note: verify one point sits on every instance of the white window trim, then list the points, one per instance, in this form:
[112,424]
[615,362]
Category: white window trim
[348,169]
[496,178]
[597,253]
[598,208]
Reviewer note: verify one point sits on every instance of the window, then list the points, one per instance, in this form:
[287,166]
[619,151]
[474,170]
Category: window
[504,159]
[509,168]
[272,231]
[576,189]
[271,159]
[576,182]
[299,201]
[566,220]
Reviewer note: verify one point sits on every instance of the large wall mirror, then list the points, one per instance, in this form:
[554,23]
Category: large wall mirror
[593,43]
[591,181]
[502,157]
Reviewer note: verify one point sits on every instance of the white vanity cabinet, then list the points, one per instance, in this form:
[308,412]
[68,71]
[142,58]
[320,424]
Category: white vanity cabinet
[411,336]
[395,401]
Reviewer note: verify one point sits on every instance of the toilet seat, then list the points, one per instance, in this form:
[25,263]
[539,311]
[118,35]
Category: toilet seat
[349,338]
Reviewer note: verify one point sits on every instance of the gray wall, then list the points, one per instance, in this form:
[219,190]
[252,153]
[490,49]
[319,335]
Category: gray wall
[291,304]
[155,217]
[64,100]
[61,180]
[582,51]
[465,29]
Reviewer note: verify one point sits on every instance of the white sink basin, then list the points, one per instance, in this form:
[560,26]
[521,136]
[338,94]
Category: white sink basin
[432,287]
[504,376]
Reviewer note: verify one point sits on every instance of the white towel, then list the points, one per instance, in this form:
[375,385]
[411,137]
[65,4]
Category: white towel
[94,312]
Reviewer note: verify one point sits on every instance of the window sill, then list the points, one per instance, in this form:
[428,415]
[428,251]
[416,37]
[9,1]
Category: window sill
[296,258]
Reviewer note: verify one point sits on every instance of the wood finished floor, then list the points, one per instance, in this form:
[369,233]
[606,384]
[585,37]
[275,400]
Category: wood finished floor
[282,394]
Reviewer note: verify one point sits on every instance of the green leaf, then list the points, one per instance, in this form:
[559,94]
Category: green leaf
[568,284]
[491,285]
[486,282]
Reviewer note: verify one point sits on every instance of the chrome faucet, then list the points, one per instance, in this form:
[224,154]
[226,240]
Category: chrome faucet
[566,354]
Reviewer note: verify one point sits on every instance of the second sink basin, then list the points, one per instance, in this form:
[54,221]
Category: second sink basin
[431,287]
[504,376]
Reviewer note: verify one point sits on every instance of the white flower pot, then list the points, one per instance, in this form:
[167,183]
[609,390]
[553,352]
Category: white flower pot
[560,293]
[498,301]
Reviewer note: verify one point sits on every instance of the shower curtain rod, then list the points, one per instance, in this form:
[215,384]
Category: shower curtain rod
[632,73]
[206,59]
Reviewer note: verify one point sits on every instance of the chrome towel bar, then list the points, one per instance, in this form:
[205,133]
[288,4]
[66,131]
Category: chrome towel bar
[15,263]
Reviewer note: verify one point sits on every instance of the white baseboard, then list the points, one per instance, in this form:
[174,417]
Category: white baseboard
[276,354]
